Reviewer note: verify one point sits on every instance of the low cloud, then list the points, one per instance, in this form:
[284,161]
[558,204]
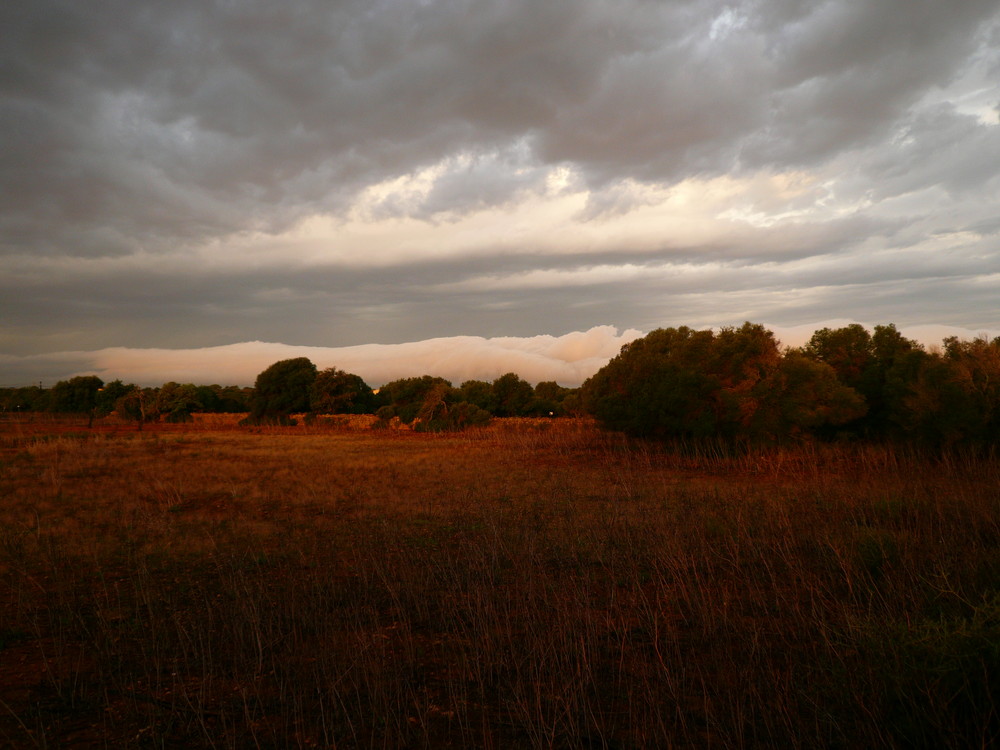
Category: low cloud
[568,359]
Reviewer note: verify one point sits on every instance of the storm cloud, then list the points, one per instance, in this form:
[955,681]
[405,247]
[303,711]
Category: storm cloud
[192,175]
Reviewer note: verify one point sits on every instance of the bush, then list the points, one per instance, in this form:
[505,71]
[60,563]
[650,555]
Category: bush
[280,390]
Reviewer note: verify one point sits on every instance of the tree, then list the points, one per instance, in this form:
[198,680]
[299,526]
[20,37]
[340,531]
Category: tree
[77,395]
[462,415]
[955,397]
[428,403]
[177,401]
[30,398]
[549,398]
[404,398]
[108,396]
[897,360]
[138,405]
[282,390]
[848,350]
[337,392]
[802,396]
[512,396]
[478,393]
[736,384]
[232,399]
[657,386]
[743,359]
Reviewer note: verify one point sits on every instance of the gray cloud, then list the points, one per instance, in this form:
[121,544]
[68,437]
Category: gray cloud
[159,160]
[186,120]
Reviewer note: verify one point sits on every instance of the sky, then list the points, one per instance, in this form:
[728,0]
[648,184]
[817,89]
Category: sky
[191,190]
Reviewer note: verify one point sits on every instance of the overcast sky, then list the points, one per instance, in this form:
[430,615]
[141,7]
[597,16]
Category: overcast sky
[547,177]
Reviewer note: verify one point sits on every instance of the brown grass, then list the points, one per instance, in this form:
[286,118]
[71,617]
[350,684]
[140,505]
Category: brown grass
[536,584]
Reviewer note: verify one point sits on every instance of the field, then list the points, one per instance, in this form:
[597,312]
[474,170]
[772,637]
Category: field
[534,584]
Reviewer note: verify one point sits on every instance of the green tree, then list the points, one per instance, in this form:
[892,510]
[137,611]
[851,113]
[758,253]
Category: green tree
[439,412]
[742,359]
[848,350]
[404,398]
[207,397]
[512,396]
[138,405]
[177,401]
[549,398]
[337,392]
[232,399]
[462,415]
[77,395]
[108,396]
[955,398]
[30,398]
[658,386]
[478,393]
[801,397]
[894,369]
[876,365]
[430,404]
[282,390]
[735,384]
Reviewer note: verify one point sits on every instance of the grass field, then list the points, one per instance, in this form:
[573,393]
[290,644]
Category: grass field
[534,584]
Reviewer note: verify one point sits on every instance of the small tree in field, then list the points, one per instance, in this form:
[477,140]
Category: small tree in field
[282,390]
[138,405]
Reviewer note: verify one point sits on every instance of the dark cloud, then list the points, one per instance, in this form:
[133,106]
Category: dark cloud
[184,120]
[159,159]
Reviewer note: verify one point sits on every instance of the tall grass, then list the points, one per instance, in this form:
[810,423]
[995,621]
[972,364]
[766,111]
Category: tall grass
[536,585]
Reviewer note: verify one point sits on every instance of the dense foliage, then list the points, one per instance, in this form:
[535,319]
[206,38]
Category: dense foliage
[846,382]
[76,395]
[281,390]
[687,383]
[337,392]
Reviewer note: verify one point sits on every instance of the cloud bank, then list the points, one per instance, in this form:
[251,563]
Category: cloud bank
[569,359]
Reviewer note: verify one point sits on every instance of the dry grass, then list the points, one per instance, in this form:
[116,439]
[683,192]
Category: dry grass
[536,584]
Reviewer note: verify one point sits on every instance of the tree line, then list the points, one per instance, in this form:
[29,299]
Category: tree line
[88,394]
[845,382]
[427,403]
[295,387]
[737,383]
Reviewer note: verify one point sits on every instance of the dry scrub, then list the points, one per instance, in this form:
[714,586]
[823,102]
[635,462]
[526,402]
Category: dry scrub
[531,585]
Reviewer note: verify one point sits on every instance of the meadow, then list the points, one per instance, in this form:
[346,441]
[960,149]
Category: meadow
[533,584]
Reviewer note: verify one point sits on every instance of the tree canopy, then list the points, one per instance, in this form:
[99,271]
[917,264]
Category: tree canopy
[77,394]
[679,382]
[337,392]
[281,390]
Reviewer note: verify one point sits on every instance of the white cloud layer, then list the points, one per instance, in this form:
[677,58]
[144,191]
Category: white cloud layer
[569,359]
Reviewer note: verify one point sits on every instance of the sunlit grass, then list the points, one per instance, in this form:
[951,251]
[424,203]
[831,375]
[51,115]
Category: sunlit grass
[534,584]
